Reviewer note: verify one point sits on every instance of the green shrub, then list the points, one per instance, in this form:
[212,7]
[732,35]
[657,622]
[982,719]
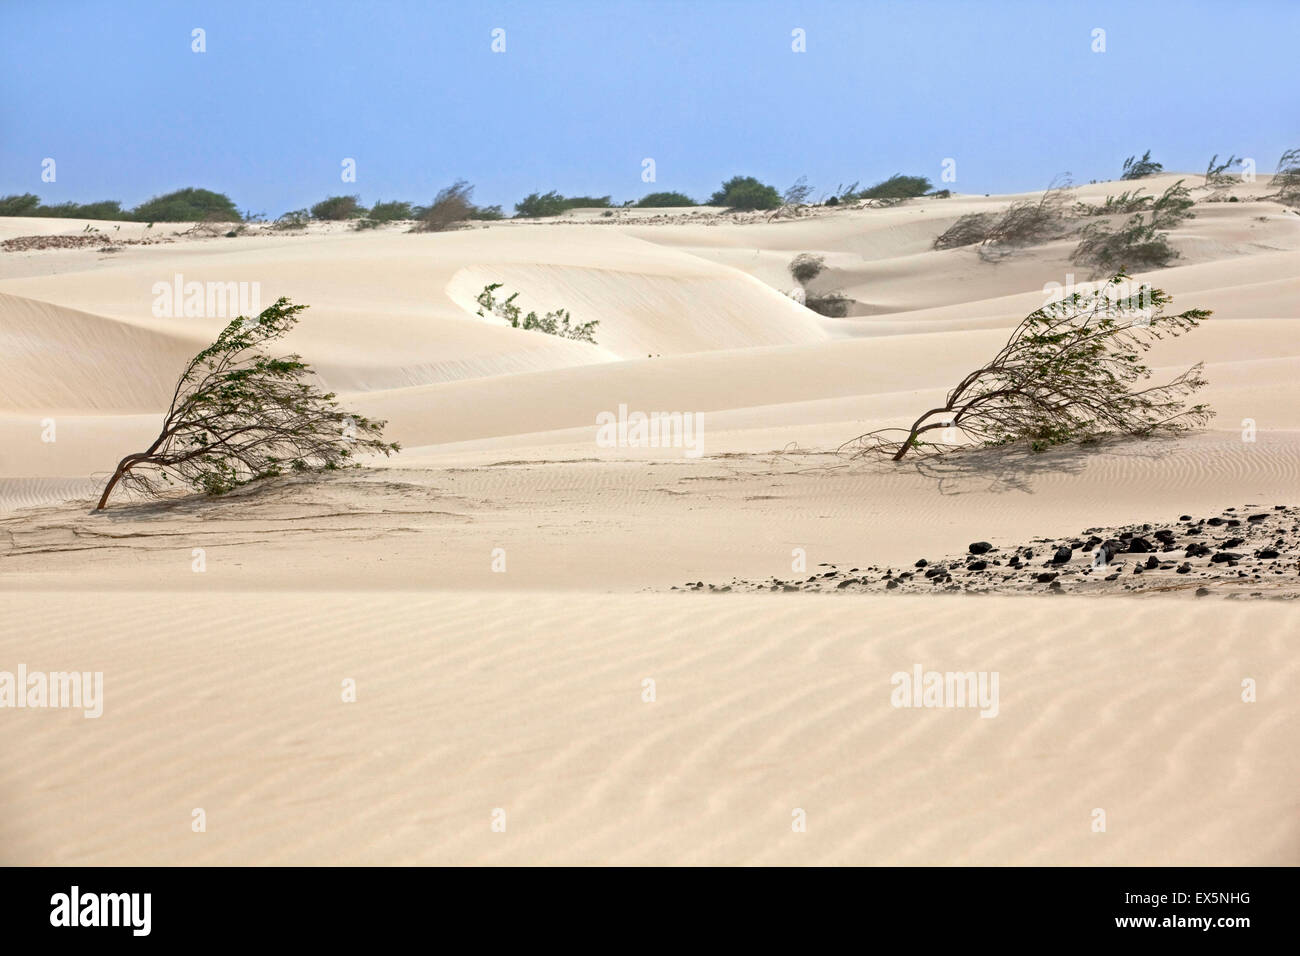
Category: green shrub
[558,322]
[336,208]
[292,221]
[187,205]
[24,205]
[1138,244]
[1287,178]
[897,186]
[390,211]
[487,213]
[1141,168]
[664,201]
[746,193]
[538,206]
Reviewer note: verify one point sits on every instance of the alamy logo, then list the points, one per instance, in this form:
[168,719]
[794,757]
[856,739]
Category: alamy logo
[683,430]
[103,909]
[57,689]
[205,300]
[946,689]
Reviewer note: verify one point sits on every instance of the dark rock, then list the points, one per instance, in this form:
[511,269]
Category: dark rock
[1201,592]
[922,563]
[980,547]
[1197,550]
[1140,546]
[1047,576]
[1062,555]
[1183,568]
[1268,553]
[977,566]
[1223,556]
[1258,518]
[1152,563]
[1217,521]
[1234,542]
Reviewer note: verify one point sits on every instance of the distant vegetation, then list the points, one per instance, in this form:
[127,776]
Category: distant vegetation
[1216,173]
[539,206]
[1139,242]
[558,322]
[746,193]
[664,201]
[1287,178]
[336,208]
[833,304]
[1025,222]
[1141,168]
[183,205]
[897,187]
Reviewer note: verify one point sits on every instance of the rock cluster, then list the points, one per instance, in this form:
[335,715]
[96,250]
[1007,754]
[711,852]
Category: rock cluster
[1251,551]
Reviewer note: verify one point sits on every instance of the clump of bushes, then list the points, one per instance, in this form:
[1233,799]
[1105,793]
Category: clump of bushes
[897,187]
[292,221]
[541,205]
[1141,168]
[183,205]
[449,208]
[1025,222]
[337,208]
[664,200]
[746,193]
[394,211]
[558,322]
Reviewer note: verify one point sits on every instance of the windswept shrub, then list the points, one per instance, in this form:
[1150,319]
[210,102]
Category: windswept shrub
[1216,173]
[664,201]
[1173,206]
[337,208]
[239,415]
[798,193]
[558,322]
[538,206]
[805,267]
[1287,178]
[746,193]
[1071,372]
[1126,203]
[972,228]
[187,205]
[1141,168]
[449,208]
[1137,244]
[897,187]
[292,221]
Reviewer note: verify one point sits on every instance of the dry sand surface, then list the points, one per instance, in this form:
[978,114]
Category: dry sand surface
[522,690]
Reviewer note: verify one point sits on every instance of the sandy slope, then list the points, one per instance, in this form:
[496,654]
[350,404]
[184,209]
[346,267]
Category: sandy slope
[521,689]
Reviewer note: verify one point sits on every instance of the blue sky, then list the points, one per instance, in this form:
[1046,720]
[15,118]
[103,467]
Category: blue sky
[585,91]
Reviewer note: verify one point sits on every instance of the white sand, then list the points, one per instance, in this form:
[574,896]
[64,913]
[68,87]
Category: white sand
[522,690]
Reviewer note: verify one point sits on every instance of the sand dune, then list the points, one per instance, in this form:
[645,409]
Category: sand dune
[521,689]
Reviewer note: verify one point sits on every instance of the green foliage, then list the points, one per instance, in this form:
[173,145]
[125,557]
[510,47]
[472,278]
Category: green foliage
[187,205]
[1141,168]
[1025,222]
[1287,178]
[390,211]
[1216,173]
[239,415]
[487,213]
[1071,372]
[292,221]
[746,193]
[20,205]
[538,206]
[664,200]
[898,187]
[336,208]
[558,322]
